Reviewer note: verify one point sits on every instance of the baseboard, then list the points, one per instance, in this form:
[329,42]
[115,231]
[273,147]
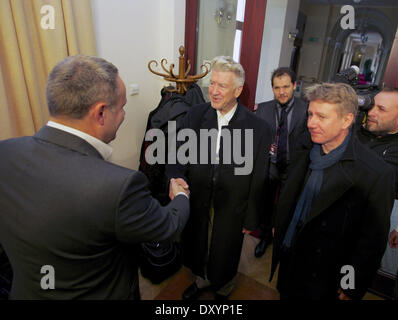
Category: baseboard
[383,285]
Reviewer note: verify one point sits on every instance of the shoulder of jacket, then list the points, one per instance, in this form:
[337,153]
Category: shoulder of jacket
[266,104]
[369,159]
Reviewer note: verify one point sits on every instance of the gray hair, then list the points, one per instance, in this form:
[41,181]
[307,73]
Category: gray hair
[226,63]
[77,82]
[341,94]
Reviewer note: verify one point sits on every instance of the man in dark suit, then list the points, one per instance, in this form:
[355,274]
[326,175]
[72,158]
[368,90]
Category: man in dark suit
[333,215]
[225,203]
[286,116]
[69,220]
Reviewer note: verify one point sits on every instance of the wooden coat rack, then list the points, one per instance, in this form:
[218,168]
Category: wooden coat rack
[183,80]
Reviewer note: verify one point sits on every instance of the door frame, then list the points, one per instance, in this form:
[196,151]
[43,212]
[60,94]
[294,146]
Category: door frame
[252,36]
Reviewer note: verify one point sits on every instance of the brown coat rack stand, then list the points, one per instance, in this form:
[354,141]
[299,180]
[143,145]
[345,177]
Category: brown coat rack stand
[183,80]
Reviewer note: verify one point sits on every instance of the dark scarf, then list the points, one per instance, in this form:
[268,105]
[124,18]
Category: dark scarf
[313,186]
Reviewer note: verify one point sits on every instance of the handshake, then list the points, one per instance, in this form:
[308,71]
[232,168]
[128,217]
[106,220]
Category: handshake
[176,186]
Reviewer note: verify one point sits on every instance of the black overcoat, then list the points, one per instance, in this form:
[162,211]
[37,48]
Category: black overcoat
[347,225]
[238,199]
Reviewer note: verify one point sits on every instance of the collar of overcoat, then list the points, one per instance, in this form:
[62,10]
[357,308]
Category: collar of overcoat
[210,118]
[67,140]
[333,188]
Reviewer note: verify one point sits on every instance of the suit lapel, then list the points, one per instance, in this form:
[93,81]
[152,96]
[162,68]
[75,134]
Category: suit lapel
[67,140]
[338,182]
[209,122]
[272,119]
[238,118]
[238,121]
[292,190]
[336,185]
[209,119]
[296,116]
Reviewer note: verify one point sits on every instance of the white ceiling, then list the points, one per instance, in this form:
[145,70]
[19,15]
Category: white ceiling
[380,3]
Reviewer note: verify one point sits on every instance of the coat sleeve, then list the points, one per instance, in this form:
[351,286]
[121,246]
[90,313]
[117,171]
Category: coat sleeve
[177,170]
[373,234]
[259,183]
[140,217]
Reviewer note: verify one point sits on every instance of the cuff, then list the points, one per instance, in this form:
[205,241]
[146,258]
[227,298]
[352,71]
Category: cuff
[183,193]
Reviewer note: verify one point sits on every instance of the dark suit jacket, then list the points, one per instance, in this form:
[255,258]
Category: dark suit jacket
[62,205]
[347,225]
[238,199]
[298,124]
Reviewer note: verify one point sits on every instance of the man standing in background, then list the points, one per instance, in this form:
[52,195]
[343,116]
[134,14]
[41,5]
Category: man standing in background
[380,134]
[286,116]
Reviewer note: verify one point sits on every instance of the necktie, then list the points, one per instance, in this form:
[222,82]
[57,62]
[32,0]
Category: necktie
[281,156]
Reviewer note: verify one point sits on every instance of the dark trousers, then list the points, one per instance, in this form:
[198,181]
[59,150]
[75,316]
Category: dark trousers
[5,276]
[277,177]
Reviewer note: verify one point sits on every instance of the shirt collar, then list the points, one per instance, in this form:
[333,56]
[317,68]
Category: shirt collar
[104,149]
[288,105]
[226,118]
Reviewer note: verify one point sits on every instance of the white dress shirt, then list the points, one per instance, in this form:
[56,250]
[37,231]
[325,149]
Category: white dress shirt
[223,120]
[104,149]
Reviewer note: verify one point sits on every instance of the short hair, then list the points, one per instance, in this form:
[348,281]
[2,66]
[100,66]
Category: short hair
[79,81]
[341,94]
[389,89]
[228,64]
[283,71]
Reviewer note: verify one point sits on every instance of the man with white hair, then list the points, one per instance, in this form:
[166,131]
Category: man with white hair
[224,204]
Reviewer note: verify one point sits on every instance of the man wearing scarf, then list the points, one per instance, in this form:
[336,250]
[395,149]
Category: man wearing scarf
[332,220]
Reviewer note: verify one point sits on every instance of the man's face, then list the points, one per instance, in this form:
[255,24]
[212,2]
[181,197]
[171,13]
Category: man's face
[114,115]
[326,126]
[283,88]
[383,117]
[223,91]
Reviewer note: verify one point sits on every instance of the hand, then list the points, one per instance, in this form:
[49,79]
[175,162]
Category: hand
[393,239]
[245,231]
[176,186]
[342,296]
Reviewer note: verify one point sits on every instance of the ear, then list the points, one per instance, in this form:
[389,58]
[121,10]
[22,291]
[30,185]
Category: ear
[238,91]
[348,120]
[294,85]
[97,112]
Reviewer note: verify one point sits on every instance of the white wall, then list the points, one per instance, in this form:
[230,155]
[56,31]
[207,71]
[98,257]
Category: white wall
[314,41]
[130,33]
[276,49]
[292,10]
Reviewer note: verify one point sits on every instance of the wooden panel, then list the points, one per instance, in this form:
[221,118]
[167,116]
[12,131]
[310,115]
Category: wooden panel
[252,36]
[391,74]
[191,18]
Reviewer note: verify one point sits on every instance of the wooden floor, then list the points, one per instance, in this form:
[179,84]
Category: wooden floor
[251,282]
